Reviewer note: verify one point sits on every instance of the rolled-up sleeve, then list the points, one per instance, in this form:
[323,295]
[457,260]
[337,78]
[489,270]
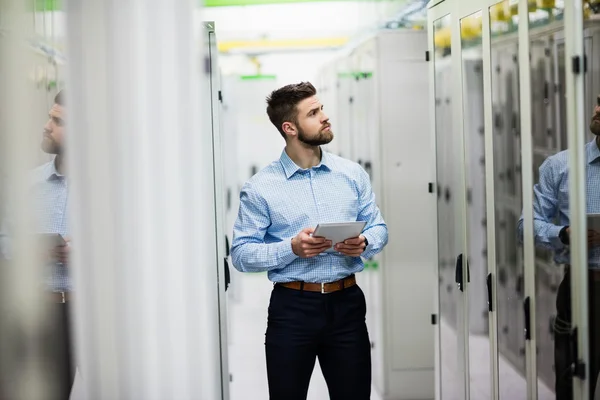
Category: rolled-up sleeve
[249,252]
[375,231]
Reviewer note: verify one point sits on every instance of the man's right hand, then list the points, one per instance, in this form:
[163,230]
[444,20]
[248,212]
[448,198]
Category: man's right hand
[61,254]
[306,246]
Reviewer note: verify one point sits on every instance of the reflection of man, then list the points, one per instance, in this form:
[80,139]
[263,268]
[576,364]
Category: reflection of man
[551,228]
[50,192]
[316,308]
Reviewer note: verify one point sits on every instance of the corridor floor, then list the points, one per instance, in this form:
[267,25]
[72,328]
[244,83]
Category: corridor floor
[248,299]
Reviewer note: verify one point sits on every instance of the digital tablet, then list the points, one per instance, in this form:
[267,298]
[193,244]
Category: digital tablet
[51,240]
[339,231]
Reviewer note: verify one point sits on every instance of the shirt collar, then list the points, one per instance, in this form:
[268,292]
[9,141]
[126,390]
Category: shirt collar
[592,151]
[290,167]
[50,172]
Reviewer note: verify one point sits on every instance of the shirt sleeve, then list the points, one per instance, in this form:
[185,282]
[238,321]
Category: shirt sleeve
[545,208]
[375,231]
[249,252]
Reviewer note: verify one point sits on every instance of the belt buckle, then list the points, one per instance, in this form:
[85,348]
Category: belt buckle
[62,300]
[323,288]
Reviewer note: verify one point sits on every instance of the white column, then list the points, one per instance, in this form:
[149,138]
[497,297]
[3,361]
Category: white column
[142,201]
[576,126]
[24,372]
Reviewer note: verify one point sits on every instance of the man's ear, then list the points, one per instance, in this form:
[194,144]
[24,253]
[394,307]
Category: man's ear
[289,129]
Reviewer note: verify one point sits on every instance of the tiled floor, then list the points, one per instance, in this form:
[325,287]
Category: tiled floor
[513,386]
[248,301]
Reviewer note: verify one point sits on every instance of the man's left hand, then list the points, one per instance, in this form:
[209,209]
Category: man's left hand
[352,247]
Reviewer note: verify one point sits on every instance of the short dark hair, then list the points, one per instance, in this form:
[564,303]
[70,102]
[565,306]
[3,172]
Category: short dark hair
[281,104]
[60,98]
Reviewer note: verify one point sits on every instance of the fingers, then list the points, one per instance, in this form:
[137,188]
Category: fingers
[315,240]
[355,241]
[351,253]
[315,251]
[350,247]
[310,245]
[308,231]
[61,253]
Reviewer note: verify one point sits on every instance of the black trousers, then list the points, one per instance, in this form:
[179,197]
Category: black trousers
[305,325]
[564,352]
[58,346]
[55,347]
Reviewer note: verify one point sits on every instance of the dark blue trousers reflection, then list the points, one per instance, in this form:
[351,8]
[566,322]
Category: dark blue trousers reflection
[303,326]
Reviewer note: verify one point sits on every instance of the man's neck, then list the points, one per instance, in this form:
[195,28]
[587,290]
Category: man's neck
[59,164]
[304,156]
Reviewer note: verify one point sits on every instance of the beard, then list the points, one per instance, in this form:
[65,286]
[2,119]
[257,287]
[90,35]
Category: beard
[321,138]
[595,125]
[50,146]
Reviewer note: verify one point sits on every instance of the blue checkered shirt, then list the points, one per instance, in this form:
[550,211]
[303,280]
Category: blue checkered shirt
[49,191]
[282,199]
[551,202]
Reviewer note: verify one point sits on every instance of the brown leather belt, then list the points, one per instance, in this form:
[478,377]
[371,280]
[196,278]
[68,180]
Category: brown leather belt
[321,287]
[60,297]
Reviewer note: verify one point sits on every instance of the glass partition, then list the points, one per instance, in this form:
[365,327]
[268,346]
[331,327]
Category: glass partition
[548,140]
[449,213]
[474,139]
[508,201]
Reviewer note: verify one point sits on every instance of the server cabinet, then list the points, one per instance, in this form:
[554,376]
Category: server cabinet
[382,124]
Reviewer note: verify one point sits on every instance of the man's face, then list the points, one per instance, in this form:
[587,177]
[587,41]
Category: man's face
[313,125]
[595,122]
[52,142]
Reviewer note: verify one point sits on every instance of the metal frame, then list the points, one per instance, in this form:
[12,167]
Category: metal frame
[432,133]
[459,10]
[527,192]
[490,194]
[215,87]
[458,124]
[577,187]
[437,11]
[465,9]
[573,26]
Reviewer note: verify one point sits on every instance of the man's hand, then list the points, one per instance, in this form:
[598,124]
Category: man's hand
[593,237]
[306,246]
[352,247]
[61,253]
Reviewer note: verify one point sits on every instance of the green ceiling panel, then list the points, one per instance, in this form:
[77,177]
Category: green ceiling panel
[258,77]
[53,5]
[222,3]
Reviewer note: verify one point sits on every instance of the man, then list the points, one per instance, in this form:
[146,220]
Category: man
[551,229]
[49,188]
[316,308]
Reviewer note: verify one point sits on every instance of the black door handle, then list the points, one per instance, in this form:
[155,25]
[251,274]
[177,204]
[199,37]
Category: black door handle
[227,274]
[489,291]
[527,309]
[458,277]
